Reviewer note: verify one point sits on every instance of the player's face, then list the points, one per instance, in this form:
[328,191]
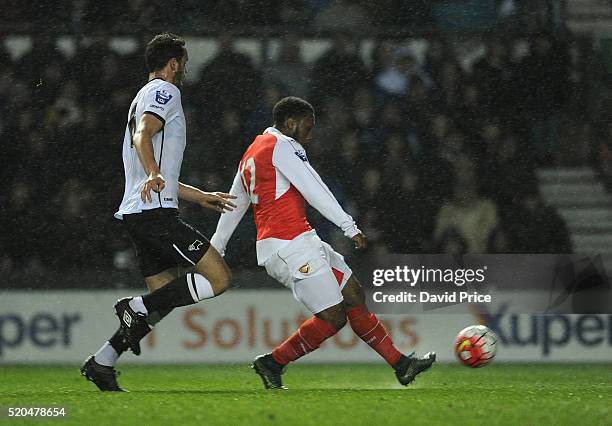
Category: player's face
[304,130]
[181,70]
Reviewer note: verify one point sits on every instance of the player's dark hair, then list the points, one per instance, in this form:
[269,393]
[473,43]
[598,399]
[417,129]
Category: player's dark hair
[162,48]
[291,107]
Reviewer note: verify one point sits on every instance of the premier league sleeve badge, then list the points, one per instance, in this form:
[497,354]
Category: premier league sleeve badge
[162,97]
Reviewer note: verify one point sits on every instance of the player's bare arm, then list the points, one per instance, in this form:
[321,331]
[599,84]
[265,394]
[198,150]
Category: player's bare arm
[143,143]
[142,139]
[218,201]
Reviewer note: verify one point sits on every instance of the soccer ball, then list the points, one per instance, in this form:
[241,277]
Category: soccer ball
[476,346]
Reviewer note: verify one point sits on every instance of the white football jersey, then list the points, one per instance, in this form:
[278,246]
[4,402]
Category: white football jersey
[163,100]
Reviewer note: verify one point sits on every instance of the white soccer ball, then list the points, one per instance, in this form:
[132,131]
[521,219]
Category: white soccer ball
[476,346]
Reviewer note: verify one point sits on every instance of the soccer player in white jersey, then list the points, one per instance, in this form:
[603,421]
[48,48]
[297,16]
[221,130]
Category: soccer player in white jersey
[153,147]
[276,178]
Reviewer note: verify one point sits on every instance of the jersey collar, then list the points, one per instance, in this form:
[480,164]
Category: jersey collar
[277,132]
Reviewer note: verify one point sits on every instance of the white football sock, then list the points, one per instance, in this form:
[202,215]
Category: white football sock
[137,305]
[106,355]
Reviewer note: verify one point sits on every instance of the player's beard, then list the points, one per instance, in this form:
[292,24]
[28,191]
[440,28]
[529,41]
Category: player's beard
[295,134]
[179,76]
[304,141]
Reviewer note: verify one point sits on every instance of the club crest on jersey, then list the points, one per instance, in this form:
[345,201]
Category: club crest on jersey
[301,155]
[195,246]
[162,97]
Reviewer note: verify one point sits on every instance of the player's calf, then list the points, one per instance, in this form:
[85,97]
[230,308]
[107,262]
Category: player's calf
[310,335]
[369,329]
[186,290]
[212,278]
[306,339]
[133,313]
[365,323]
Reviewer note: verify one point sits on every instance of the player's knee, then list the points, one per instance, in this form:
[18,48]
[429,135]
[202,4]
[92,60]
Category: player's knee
[334,316]
[339,322]
[216,271]
[221,282]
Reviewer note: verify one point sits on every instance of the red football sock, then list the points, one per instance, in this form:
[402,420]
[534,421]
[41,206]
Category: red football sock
[306,339]
[367,326]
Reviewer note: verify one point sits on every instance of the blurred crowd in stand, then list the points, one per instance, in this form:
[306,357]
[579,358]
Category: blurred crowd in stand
[185,15]
[430,154]
[328,15]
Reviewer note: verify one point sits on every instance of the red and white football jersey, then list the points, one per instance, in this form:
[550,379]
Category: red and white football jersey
[275,177]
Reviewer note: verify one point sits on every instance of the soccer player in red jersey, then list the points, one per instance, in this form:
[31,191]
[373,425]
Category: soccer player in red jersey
[276,178]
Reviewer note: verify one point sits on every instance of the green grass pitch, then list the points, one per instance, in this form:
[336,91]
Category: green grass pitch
[554,394]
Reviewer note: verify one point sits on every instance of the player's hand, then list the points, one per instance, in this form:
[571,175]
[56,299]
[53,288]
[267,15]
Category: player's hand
[155,182]
[360,241]
[218,201]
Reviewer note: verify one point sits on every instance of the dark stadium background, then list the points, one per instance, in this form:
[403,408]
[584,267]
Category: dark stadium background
[499,98]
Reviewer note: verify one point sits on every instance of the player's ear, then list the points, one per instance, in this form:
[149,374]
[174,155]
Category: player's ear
[291,124]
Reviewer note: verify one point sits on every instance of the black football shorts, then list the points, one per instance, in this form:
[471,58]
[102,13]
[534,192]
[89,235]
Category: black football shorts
[163,240]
